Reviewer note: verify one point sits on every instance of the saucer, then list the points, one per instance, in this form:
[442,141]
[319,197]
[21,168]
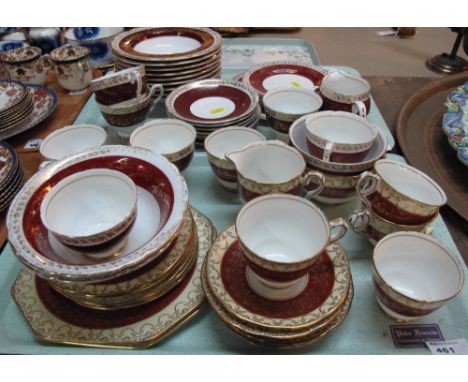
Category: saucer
[274,338]
[45,102]
[324,294]
[55,319]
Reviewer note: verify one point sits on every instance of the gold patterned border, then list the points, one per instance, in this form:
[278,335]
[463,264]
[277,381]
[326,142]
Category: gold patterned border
[146,333]
[330,305]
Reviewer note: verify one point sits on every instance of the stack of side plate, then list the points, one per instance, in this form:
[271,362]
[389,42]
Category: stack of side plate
[209,105]
[291,323]
[16,103]
[171,56]
[11,175]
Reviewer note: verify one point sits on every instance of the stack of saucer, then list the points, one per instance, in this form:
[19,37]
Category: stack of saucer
[15,104]
[212,104]
[172,56]
[143,261]
[291,323]
[11,174]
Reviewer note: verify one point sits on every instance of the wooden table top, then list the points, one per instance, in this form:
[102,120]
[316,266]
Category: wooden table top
[390,94]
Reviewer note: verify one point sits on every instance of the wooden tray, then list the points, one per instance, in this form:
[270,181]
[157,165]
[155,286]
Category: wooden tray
[425,146]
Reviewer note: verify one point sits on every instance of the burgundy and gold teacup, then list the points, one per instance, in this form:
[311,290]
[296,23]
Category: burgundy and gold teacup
[26,65]
[336,136]
[285,105]
[225,140]
[370,225]
[272,167]
[123,86]
[281,236]
[400,193]
[414,275]
[345,92]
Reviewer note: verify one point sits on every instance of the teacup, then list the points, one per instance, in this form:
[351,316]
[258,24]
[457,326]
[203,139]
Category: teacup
[284,105]
[281,237]
[26,65]
[414,275]
[272,167]
[172,138]
[116,87]
[400,193]
[336,136]
[90,209]
[133,113]
[71,140]
[225,140]
[345,92]
[73,67]
[374,228]
[298,138]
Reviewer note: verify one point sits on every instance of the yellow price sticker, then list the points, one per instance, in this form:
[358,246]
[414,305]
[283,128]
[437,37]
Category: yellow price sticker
[216,111]
[295,84]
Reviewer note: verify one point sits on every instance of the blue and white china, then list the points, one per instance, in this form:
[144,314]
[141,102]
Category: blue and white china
[97,40]
[46,38]
[15,36]
[455,122]
[5,46]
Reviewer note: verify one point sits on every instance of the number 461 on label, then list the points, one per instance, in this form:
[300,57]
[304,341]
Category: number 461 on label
[459,346]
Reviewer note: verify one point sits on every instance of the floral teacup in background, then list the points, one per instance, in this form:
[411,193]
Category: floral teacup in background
[73,67]
[26,65]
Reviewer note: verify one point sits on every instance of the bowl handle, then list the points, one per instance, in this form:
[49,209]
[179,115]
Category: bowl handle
[358,221]
[307,179]
[341,226]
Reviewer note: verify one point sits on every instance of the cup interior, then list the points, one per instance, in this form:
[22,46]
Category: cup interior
[164,137]
[88,202]
[269,163]
[72,140]
[345,84]
[292,101]
[418,267]
[410,182]
[282,228]
[340,128]
[229,139]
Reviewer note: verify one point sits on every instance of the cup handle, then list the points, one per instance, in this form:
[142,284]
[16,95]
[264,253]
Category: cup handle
[359,220]
[428,230]
[328,150]
[306,180]
[341,226]
[47,62]
[359,108]
[366,185]
[153,90]
[136,77]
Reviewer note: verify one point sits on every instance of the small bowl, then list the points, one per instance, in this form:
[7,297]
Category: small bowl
[172,138]
[298,138]
[373,227]
[90,208]
[336,136]
[72,140]
[223,141]
[130,113]
[414,275]
[284,105]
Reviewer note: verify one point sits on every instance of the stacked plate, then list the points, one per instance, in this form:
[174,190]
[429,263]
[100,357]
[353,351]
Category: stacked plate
[292,323]
[15,103]
[212,104]
[172,56]
[155,270]
[11,175]
[23,106]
